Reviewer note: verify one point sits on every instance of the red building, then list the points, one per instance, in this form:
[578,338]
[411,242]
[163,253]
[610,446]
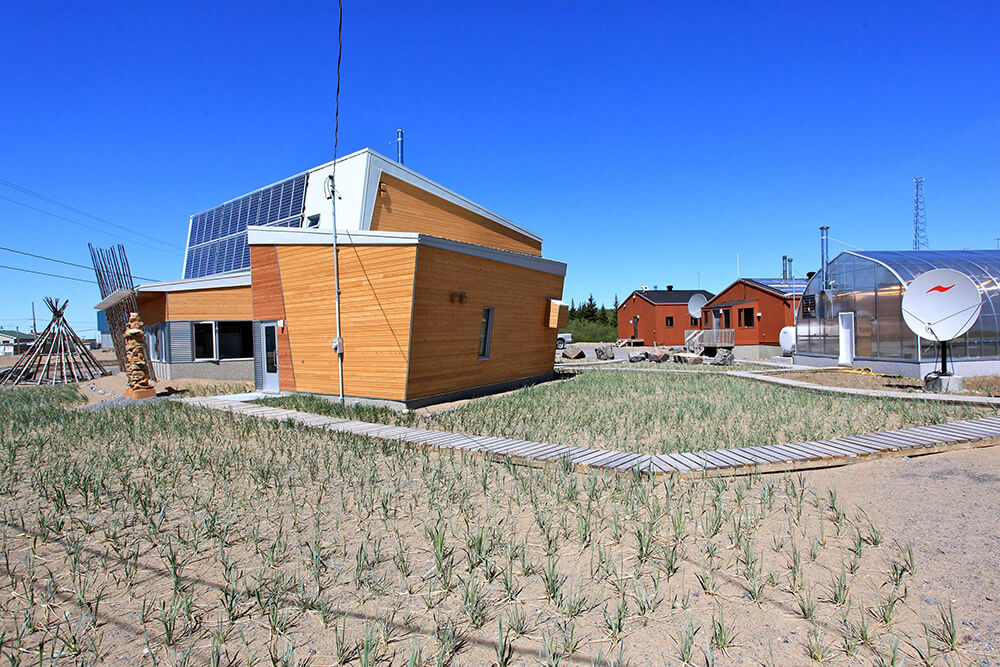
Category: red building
[749,315]
[657,317]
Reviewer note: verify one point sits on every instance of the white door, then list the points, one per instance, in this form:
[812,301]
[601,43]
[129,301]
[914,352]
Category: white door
[270,338]
[846,339]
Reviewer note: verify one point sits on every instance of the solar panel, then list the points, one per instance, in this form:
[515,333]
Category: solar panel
[218,237]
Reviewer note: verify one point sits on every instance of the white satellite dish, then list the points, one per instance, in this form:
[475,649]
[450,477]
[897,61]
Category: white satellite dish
[786,338]
[695,304]
[940,305]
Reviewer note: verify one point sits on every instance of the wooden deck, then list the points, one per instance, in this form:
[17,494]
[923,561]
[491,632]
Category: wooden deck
[771,458]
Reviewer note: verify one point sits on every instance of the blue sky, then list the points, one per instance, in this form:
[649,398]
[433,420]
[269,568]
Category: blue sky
[645,143]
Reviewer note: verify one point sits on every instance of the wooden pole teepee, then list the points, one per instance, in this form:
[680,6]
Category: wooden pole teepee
[57,356]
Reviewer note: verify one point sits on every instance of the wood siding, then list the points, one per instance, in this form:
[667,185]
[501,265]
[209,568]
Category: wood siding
[376,284]
[445,340]
[776,312]
[653,327]
[152,307]
[268,304]
[401,207]
[221,303]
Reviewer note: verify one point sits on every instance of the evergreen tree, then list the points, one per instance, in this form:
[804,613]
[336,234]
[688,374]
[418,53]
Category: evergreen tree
[572,309]
[588,311]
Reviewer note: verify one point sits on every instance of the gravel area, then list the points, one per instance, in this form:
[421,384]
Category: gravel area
[120,402]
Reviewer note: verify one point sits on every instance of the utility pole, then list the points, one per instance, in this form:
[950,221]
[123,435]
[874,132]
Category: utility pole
[34,324]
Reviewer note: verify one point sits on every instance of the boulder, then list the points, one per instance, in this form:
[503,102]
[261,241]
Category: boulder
[723,357]
[692,359]
[636,357]
[659,356]
[574,354]
[605,352]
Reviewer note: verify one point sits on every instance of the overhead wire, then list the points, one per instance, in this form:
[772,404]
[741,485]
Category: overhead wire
[61,261]
[44,273]
[81,224]
[78,211]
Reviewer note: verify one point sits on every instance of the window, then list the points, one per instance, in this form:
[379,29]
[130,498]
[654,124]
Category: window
[235,340]
[156,340]
[725,315]
[486,333]
[669,322]
[204,340]
[745,317]
[696,321]
[808,306]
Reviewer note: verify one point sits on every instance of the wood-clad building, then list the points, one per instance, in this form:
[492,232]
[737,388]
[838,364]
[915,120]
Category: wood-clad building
[657,317]
[754,310]
[439,297]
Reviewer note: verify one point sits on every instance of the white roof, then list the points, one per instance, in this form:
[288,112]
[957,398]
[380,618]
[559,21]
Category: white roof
[296,236]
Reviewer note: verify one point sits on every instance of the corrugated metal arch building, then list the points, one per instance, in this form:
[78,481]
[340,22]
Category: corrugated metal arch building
[870,285]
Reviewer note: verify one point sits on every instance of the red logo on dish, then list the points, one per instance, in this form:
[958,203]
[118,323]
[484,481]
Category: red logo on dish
[939,288]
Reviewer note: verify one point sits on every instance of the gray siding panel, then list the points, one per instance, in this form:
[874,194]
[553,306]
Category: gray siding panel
[258,356]
[181,345]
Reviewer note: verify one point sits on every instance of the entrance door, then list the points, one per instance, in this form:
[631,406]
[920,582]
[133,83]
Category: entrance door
[846,339]
[270,330]
[635,327]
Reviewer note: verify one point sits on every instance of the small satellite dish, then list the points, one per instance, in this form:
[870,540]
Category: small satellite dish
[695,304]
[786,338]
[941,304]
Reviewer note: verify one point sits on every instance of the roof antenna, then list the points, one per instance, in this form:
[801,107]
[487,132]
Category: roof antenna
[399,146]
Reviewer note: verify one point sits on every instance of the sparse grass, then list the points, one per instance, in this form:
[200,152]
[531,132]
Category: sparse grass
[660,412]
[202,537]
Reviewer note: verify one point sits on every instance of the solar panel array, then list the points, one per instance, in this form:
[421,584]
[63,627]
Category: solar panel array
[217,241]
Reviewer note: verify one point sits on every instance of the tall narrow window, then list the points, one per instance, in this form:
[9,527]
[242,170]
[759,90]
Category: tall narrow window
[204,340]
[668,321]
[486,333]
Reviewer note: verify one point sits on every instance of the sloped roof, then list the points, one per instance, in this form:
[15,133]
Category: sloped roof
[17,335]
[784,286]
[663,296]
[908,264]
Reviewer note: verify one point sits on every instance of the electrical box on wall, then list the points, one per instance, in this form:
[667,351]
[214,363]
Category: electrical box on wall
[338,345]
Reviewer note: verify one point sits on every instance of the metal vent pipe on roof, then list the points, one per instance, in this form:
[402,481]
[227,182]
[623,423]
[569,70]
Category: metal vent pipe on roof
[399,146]
[824,252]
[784,267]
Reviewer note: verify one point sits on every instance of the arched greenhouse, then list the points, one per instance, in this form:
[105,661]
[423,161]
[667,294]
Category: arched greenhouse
[855,317]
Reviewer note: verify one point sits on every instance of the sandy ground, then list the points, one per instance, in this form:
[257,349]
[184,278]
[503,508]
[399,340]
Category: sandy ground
[984,386]
[115,385]
[106,357]
[948,506]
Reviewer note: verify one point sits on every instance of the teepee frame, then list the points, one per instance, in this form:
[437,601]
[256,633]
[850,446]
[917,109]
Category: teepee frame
[57,356]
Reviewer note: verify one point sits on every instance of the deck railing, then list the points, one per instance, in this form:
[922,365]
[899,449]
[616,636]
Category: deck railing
[694,338]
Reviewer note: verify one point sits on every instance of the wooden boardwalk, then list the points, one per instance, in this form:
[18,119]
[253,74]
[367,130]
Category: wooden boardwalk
[770,458]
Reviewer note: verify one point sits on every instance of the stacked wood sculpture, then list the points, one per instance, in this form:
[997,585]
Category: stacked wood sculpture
[57,356]
[136,366]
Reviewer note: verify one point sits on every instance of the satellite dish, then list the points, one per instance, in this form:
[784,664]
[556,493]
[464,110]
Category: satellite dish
[786,338]
[695,304]
[941,304]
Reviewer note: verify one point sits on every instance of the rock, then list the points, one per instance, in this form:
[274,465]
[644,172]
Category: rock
[723,357]
[605,352]
[659,356]
[574,354]
[637,357]
[691,359]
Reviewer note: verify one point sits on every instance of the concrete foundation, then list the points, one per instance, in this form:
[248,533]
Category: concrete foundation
[944,384]
[232,370]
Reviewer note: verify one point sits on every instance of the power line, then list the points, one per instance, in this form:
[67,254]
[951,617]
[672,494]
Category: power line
[80,224]
[60,261]
[51,275]
[50,200]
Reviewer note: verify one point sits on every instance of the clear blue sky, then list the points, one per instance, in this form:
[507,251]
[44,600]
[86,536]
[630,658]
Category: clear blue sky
[644,143]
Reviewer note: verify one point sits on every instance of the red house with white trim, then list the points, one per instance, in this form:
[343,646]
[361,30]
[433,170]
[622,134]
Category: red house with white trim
[657,317]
